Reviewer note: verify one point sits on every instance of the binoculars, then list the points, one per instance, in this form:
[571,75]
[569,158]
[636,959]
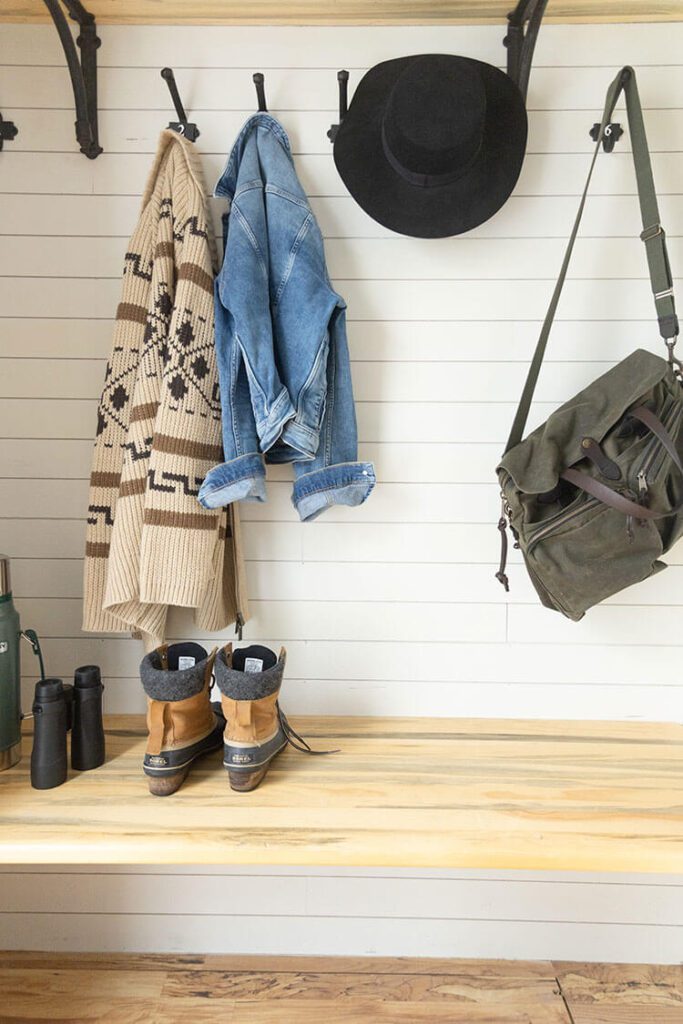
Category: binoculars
[59,708]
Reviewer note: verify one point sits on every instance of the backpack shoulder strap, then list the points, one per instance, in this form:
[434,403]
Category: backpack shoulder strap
[652,235]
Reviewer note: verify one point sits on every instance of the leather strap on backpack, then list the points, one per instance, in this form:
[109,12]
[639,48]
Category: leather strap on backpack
[615,499]
[652,235]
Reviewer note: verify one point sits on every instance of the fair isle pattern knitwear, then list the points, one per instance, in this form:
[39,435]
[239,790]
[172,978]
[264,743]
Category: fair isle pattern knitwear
[150,544]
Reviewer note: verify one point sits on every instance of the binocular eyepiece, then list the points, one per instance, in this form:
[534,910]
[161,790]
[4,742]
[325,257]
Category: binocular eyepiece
[59,708]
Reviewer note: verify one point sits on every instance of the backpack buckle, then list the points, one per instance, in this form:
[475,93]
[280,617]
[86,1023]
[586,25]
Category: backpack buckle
[649,233]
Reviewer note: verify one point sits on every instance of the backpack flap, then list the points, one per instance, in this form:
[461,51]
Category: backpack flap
[536,463]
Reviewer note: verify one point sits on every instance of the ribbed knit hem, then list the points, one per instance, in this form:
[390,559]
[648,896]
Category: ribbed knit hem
[96,619]
[175,564]
[142,619]
[101,621]
[219,605]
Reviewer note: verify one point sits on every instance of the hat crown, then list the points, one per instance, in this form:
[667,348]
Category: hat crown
[435,115]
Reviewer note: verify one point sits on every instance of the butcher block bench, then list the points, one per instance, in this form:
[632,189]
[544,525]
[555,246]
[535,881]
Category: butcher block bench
[401,792]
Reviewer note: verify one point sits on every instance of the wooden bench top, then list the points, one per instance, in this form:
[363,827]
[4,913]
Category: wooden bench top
[426,793]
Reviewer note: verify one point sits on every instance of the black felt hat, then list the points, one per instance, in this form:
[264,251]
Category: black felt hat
[432,145]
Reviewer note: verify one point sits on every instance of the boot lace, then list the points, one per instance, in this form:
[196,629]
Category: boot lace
[294,739]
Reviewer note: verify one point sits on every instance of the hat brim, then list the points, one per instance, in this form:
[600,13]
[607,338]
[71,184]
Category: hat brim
[434,211]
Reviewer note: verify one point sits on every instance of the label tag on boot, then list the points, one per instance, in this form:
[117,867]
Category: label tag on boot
[185,661]
[253,665]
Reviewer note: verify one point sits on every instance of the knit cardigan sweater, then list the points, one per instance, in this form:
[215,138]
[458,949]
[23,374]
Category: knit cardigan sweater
[149,542]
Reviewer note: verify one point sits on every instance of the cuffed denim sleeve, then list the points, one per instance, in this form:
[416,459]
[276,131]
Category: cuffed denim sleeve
[347,483]
[242,479]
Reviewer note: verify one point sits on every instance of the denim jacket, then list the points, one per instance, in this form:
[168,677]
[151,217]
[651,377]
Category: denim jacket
[283,359]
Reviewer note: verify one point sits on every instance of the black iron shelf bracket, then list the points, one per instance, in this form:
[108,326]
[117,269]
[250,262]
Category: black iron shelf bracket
[520,41]
[83,69]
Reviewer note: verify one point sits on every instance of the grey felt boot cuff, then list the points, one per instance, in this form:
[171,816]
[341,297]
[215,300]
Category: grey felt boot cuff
[164,684]
[248,685]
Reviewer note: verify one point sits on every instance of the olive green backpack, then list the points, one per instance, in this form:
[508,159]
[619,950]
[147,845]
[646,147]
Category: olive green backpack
[594,496]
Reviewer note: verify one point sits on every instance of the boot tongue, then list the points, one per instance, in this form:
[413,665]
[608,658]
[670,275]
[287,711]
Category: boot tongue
[254,658]
[185,655]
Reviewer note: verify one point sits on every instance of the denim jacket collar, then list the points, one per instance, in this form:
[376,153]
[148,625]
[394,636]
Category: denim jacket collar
[227,183]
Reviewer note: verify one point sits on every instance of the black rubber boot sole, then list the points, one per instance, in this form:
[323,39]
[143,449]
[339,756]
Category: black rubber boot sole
[245,782]
[246,778]
[160,786]
[167,771]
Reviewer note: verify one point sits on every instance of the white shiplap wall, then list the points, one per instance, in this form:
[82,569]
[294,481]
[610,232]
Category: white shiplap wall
[391,608]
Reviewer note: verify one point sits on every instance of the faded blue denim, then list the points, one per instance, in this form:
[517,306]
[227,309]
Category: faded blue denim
[283,359]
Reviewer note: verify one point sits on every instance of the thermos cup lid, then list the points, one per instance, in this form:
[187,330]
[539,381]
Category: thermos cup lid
[87,676]
[5,578]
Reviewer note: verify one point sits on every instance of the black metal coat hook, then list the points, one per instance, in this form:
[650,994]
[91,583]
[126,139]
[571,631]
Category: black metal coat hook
[611,135]
[8,131]
[184,127]
[613,130]
[343,80]
[83,71]
[259,82]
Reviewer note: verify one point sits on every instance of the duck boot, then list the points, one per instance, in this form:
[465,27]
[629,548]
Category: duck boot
[182,722]
[255,729]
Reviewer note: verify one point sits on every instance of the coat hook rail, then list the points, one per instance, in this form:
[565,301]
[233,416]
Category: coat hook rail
[184,127]
[83,70]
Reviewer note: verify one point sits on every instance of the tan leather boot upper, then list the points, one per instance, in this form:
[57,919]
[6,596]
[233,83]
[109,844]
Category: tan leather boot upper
[180,723]
[250,721]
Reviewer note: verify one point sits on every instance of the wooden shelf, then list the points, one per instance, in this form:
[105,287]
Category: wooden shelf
[428,793]
[344,12]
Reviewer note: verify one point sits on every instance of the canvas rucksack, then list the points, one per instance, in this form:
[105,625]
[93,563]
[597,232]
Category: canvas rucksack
[594,495]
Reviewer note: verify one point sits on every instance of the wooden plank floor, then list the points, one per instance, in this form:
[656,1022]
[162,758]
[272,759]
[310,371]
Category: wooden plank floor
[123,989]
[566,796]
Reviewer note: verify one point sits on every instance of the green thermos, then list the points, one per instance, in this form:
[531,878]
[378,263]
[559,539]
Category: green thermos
[10,670]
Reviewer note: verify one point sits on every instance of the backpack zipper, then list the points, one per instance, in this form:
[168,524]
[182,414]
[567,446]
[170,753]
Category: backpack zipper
[649,458]
[559,520]
[653,449]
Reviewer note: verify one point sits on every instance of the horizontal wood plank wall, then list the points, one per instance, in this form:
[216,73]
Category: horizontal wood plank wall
[391,608]
[343,913]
